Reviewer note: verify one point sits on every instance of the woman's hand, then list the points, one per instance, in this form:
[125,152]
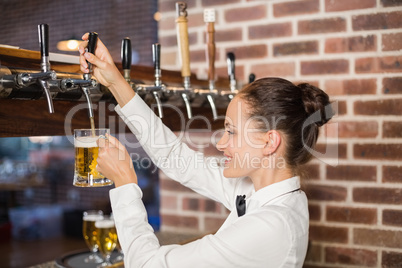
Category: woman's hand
[105,71]
[114,162]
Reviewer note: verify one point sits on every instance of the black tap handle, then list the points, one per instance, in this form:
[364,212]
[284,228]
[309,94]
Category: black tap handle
[156,55]
[92,39]
[126,53]
[251,78]
[43,30]
[231,64]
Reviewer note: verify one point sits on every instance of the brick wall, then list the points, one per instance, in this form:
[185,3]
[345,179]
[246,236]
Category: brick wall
[352,50]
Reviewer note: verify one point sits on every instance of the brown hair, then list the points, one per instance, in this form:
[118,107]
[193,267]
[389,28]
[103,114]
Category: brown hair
[296,111]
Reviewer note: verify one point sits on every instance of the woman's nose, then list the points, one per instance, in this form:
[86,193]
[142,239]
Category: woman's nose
[222,143]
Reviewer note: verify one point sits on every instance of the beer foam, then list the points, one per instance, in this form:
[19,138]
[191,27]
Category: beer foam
[92,217]
[104,224]
[85,142]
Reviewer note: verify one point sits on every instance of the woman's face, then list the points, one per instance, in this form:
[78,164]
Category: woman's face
[242,143]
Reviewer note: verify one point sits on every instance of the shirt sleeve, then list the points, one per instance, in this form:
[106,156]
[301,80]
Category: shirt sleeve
[176,159]
[242,244]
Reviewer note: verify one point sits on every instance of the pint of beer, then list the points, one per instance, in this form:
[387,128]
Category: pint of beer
[90,233]
[86,154]
[106,238]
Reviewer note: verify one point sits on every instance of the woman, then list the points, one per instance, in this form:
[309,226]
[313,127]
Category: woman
[265,144]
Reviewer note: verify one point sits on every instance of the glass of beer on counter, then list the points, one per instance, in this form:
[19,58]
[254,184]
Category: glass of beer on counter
[106,238]
[86,155]
[89,232]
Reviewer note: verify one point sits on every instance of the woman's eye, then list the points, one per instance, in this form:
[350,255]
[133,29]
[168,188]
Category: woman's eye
[230,132]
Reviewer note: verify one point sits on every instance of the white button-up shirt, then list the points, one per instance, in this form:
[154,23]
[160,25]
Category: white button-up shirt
[272,233]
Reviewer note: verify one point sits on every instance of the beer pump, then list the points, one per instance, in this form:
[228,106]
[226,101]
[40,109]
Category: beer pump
[87,83]
[209,19]
[232,79]
[184,54]
[44,79]
[143,89]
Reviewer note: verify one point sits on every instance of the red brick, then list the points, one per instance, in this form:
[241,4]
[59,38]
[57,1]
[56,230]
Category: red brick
[270,30]
[379,107]
[295,48]
[171,185]
[312,172]
[314,254]
[331,148]
[296,8]
[168,202]
[392,174]
[351,44]
[223,72]
[391,259]
[246,13]
[389,64]
[351,87]
[197,55]
[377,21]
[328,234]
[352,173]
[392,85]
[325,193]
[168,41]
[196,20]
[392,217]
[321,26]
[314,212]
[191,203]
[213,224]
[343,5]
[167,23]
[274,69]
[210,206]
[377,195]
[206,3]
[189,222]
[364,129]
[391,3]
[249,52]
[342,108]
[379,238]
[352,215]
[392,129]
[324,67]
[228,35]
[378,151]
[392,41]
[351,256]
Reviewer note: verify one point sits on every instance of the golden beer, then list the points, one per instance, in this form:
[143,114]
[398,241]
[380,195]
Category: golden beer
[89,230]
[106,237]
[86,155]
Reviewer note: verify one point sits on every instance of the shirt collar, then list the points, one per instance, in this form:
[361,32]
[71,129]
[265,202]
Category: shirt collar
[271,192]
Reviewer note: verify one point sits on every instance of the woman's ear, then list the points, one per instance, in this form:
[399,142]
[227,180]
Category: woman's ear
[272,141]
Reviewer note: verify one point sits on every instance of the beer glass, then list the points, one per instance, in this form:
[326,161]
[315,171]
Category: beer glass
[106,238]
[86,154]
[89,232]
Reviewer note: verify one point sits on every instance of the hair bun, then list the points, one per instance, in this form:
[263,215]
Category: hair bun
[315,99]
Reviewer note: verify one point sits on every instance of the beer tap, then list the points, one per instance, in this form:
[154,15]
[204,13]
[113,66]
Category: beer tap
[209,19]
[231,72]
[44,79]
[184,54]
[126,55]
[157,87]
[87,83]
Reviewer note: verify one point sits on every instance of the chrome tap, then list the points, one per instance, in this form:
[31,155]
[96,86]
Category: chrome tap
[45,79]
